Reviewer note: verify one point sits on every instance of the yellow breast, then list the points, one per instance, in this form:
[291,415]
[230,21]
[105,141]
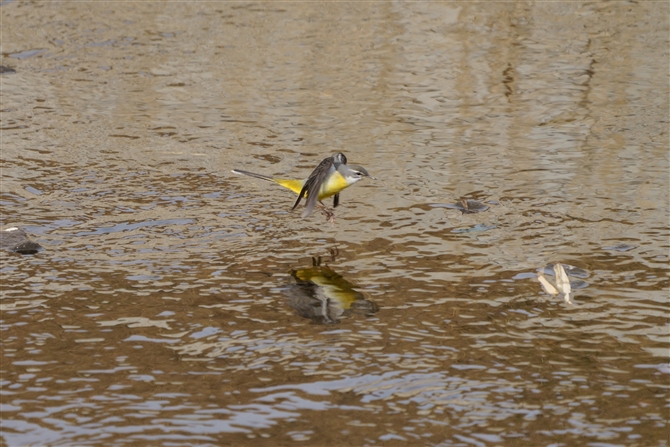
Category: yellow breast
[333,184]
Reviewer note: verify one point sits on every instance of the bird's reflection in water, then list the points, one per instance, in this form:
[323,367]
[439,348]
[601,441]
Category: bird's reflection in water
[324,296]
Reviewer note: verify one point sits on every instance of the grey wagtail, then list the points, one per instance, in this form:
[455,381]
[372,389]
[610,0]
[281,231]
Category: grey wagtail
[330,177]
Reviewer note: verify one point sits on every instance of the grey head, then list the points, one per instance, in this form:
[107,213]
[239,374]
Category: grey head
[354,173]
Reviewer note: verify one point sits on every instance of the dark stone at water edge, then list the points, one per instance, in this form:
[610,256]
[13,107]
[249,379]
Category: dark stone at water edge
[16,240]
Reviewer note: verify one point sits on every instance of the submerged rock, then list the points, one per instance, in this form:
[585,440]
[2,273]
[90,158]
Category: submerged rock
[16,240]
[465,206]
[571,270]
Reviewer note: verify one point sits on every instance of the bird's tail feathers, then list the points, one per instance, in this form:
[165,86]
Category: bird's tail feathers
[253,174]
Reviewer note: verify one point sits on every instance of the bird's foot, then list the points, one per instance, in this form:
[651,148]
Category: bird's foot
[330,215]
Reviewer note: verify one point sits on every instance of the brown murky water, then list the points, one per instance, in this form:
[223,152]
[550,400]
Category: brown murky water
[178,304]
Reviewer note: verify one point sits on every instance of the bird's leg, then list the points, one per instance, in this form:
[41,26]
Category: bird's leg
[334,253]
[330,215]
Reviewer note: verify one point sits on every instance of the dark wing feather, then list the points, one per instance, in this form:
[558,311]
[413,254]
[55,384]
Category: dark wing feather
[336,200]
[313,185]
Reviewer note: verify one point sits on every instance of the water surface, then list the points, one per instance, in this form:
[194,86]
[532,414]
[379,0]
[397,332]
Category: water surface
[178,304]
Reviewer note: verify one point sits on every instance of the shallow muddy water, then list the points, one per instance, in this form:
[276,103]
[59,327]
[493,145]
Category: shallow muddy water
[178,304]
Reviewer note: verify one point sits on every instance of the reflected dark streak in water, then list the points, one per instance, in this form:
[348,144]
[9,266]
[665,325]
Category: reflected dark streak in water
[175,303]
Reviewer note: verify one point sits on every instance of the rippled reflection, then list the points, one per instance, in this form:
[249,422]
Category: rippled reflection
[324,296]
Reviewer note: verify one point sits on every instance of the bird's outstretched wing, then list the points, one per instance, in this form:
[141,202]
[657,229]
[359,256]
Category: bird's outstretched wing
[313,185]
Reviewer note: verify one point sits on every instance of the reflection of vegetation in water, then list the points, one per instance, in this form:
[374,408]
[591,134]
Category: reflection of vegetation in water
[324,296]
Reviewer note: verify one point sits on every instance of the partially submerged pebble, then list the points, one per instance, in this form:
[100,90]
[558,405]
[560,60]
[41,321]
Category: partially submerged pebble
[465,206]
[571,270]
[16,240]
